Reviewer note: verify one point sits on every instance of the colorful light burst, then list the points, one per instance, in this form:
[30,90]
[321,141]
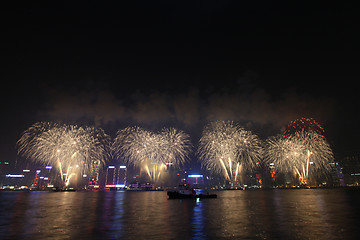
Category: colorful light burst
[301,152]
[304,124]
[70,148]
[228,149]
[151,151]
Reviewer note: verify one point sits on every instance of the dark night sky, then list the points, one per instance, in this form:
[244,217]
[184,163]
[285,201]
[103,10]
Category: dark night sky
[170,63]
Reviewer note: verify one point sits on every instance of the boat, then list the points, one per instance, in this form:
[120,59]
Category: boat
[184,191]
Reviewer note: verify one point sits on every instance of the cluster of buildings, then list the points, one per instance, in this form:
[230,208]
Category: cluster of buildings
[47,177]
[342,173]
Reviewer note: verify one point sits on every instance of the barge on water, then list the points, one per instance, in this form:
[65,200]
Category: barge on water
[185,192]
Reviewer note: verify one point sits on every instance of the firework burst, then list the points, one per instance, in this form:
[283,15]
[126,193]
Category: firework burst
[304,124]
[175,146]
[150,151]
[228,149]
[301,152]
[70,148]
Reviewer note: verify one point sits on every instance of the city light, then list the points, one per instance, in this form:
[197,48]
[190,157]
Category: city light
[14,176]
[195,176]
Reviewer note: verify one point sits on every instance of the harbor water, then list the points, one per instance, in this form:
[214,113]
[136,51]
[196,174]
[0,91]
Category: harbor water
[258,214]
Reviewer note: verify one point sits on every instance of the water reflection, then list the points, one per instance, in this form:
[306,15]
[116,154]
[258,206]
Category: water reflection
[147,216]
[197,221]
[116,227]
[302,214]
[273,214]
[227,217]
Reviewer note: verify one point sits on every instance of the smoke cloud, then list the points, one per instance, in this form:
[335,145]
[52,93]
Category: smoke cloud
[188,109]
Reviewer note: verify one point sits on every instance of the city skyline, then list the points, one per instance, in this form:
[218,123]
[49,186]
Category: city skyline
[179,119]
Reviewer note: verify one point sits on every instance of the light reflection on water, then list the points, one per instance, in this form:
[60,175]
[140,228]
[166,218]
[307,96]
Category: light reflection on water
[268,214]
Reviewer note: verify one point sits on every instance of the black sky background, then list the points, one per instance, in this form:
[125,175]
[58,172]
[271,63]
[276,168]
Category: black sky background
[180,64]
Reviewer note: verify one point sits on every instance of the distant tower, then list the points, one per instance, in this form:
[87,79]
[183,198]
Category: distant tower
[121,176]
[115,178]
[94,176]
[110,176]
[36,179]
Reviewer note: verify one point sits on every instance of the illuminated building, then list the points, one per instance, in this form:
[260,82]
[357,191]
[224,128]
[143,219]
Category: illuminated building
[27,177]
[35,183]
[4,167]
[121,177]
[350,168]
[110,176]
[14,181]
[94,175]
[195,180]
[115,177]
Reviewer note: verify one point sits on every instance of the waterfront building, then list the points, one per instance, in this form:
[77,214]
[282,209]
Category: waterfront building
[351,170]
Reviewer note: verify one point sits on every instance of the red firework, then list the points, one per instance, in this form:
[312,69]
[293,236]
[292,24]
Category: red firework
[303,124]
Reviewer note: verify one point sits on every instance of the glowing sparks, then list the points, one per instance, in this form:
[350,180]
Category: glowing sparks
[301,152]
[224,148]
[304,124]
[175,146]
[70,148]
[151,151]
[227,149]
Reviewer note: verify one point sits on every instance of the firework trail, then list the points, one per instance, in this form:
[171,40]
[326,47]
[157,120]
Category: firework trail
[228,149]
[301,152]
[70,148]
[150,151]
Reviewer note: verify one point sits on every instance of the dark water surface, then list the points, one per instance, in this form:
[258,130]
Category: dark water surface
[263,214]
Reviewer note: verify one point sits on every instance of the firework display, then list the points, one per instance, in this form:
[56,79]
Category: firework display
[175,146]
[224,148]
[151,151]
[228,149]
[71,149]
[301,152]
[304,124]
